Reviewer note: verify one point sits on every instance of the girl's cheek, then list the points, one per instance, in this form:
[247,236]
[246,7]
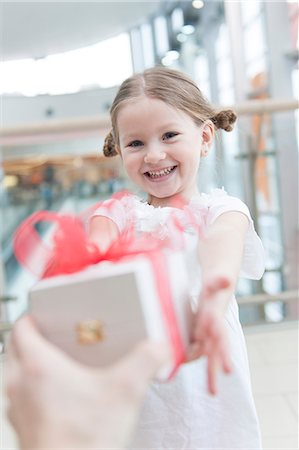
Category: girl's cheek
[129,164]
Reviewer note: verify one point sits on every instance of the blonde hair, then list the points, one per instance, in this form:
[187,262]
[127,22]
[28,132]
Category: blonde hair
[175,89]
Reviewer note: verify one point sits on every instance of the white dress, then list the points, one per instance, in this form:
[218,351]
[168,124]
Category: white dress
[181,414]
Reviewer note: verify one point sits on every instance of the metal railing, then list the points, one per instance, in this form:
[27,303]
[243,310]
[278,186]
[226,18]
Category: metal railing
[50,131]
[285,296]
[259,299]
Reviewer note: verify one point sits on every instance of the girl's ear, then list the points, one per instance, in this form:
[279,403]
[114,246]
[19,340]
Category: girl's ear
[207,133]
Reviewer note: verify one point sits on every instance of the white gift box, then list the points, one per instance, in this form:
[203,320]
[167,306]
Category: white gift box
[99,314]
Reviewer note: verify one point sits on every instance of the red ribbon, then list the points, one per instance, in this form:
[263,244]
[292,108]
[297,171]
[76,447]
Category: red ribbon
[71,251]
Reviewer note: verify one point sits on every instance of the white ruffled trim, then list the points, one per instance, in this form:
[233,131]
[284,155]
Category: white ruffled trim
[153,220]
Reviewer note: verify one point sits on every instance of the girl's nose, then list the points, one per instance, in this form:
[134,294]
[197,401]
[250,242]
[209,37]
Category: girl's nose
[153,156]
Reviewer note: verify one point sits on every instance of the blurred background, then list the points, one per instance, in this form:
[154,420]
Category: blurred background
[61,64]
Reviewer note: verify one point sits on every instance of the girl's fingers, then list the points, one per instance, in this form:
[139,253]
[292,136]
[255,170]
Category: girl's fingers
[210,339]
[212,370]
[213,367]
[226,361]
[224,354]
[195,351]
[218,357]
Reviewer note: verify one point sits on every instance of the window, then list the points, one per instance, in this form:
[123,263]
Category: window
[103,65]
[161,35]
[148,47]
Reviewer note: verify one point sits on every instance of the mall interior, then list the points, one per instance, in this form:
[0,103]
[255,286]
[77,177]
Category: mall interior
[61,65]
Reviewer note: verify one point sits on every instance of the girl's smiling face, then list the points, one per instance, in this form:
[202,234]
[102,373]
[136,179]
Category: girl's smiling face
[161,148]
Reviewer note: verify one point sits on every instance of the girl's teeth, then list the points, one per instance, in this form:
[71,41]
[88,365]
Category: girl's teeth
[160,173]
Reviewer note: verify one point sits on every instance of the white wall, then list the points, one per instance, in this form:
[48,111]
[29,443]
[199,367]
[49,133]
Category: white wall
[18,110]
[23,110]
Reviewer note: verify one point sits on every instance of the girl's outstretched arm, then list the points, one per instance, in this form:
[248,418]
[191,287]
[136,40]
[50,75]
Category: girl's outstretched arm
[220,256]
[221,251]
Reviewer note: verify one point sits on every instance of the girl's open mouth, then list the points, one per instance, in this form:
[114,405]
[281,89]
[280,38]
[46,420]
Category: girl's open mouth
[160,174]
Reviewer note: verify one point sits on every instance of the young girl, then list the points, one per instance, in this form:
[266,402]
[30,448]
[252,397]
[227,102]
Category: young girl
[161,128]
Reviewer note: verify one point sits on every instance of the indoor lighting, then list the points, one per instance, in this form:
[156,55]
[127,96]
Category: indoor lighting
[10,181]
[181,37]
[188,29]
[198,4]
[170,57]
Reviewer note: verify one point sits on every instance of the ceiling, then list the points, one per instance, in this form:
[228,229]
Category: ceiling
[37,29]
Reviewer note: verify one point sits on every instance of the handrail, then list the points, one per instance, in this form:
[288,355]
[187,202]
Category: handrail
[57,126]
[270,105]
[11,135]
[285,296]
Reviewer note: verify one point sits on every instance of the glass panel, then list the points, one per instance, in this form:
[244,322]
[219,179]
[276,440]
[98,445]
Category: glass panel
[251,314]
[224,72]
[227,96]
[207,176]
[177,19]
[230,143]
[222,45]
[295,78]
[270,233]
[256,66]
[272,282]
[201,75]
[244,287]
[161,35]
[250,10]
[137,50]
[274,311]
[266,185]
[148,45]
[232,172]
[254,39]
[293,9]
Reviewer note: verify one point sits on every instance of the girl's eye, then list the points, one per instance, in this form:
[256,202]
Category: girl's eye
[135,144]
[169,135]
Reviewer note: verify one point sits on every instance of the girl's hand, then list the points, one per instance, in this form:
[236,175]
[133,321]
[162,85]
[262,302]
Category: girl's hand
[209,337]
